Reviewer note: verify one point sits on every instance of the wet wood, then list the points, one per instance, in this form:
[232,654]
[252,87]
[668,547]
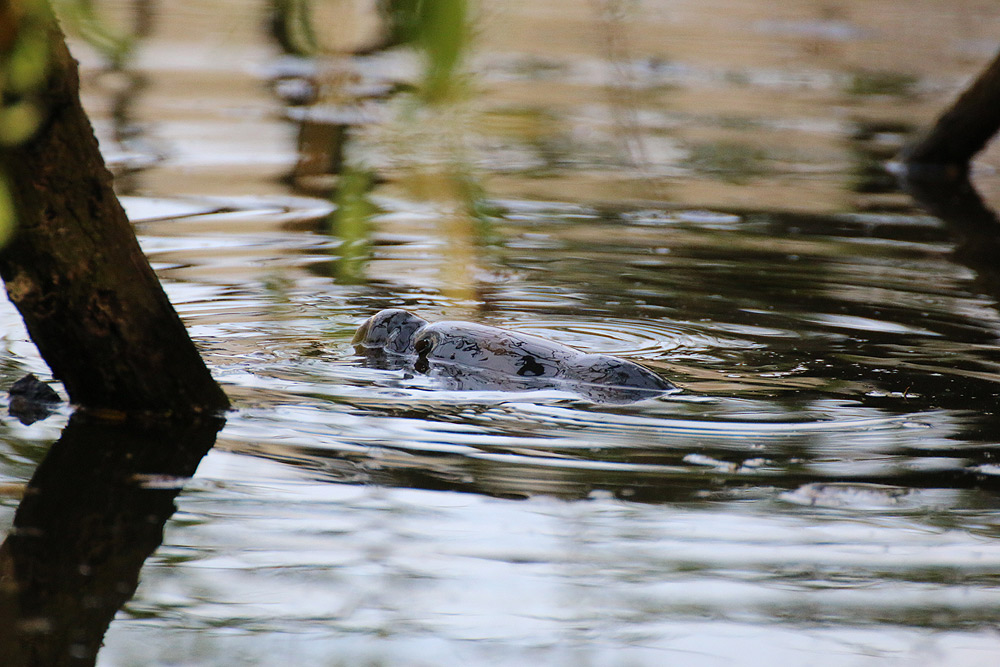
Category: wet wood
[961,131]
[74,270]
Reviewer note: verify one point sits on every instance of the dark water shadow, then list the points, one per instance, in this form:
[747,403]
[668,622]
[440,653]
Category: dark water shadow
[695,474]
[91,514]
[975,227]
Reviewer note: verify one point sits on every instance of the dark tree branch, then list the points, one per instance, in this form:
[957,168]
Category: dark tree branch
[74,270]
[961,131]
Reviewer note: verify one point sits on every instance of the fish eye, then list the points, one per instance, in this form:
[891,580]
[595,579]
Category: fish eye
[422,346]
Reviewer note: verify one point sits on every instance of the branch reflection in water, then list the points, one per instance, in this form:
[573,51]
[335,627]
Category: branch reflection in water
[975,227]
[91,514]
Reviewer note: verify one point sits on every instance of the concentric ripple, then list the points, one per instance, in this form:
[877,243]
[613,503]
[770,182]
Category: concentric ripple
[643,339]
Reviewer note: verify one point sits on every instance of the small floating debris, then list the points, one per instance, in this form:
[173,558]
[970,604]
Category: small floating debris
[709,462]
[653,217]
[853,496]
[31,400]
[154,481]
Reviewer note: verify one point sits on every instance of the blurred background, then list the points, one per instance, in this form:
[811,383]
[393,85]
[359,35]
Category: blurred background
[697,186]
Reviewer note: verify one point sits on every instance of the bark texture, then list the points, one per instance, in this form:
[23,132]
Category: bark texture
[964,129]
[74,270]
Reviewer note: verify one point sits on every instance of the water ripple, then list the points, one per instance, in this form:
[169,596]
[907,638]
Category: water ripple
[643,339]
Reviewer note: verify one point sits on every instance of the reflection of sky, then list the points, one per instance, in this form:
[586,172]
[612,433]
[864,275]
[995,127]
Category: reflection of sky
[263,550]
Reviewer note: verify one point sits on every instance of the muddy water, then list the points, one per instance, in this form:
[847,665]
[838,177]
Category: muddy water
[693,186]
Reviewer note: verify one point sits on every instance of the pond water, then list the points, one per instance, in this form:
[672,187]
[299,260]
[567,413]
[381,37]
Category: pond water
[694,186]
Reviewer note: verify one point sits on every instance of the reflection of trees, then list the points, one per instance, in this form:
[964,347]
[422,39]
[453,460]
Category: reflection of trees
[91,514]
[975,228]
[682,462]
[358,127]
[122,83]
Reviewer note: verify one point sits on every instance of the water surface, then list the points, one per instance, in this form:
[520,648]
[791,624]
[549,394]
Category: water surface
[692,186]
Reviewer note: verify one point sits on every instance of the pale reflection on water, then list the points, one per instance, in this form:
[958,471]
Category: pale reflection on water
[687,185]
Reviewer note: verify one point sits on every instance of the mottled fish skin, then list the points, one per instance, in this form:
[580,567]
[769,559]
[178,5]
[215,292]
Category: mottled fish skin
[608,371]
[474,356]
[501,350]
